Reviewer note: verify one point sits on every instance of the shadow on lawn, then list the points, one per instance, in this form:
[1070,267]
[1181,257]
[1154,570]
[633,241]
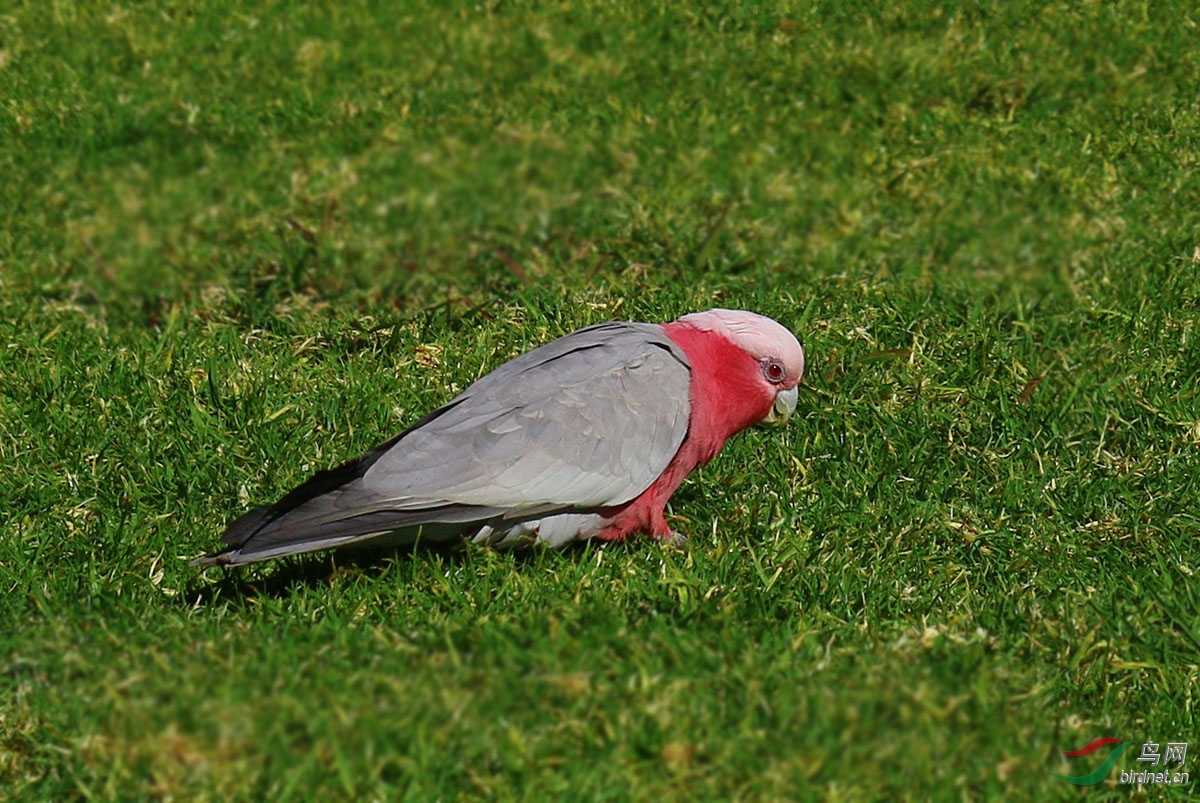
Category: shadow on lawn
[275,579]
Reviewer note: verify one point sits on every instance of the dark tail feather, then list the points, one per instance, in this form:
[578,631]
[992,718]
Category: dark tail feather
[246,525]
[264,532]
[317,524]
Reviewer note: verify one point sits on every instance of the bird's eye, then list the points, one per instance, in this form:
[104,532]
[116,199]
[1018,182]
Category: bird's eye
[774,371]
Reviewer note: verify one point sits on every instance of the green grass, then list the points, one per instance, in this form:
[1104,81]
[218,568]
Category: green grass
[240,242]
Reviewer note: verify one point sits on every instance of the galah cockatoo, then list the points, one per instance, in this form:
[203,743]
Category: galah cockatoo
[585,437]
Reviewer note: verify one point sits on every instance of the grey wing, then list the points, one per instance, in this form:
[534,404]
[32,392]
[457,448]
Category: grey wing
[590,420]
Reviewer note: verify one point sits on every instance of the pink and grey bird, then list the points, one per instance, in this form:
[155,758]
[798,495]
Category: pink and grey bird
[585,437]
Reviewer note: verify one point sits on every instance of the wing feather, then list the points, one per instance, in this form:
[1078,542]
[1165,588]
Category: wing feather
[590,420]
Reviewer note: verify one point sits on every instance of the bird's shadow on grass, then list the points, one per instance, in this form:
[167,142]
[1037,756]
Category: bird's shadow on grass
[277,579]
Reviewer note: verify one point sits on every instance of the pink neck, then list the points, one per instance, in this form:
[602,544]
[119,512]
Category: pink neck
[728,394]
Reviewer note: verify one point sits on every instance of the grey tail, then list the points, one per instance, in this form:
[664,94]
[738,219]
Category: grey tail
[377,528]
[321,514]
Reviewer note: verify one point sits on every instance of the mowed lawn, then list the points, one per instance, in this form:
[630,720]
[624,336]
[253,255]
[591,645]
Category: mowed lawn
[241,242]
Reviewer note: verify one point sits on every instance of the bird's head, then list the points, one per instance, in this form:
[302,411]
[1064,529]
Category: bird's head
[779,355]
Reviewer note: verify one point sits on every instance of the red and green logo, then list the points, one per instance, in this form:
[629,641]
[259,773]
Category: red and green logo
[1100,773]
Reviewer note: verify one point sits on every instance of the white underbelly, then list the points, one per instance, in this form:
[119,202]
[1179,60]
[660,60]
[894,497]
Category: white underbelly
[552,531]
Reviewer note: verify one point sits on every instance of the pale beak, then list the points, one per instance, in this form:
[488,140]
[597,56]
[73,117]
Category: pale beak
[785,405]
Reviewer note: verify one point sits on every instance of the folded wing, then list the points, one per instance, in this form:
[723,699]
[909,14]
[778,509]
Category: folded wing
[587,421]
